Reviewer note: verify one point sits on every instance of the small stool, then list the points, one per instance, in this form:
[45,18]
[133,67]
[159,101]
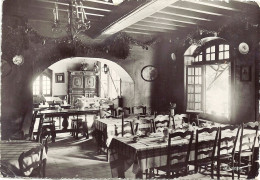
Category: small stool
[75,125]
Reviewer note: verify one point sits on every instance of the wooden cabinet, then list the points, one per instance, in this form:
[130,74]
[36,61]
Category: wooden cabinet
[82,83]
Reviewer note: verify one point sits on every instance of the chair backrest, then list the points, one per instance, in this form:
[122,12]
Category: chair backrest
[136,109]
[32,124]
[107,112]
[161,121]
[206,142]
[126,127]
[144,125]
[249,134]
[26,162]
[179,119]
[39,132]
[227,140]
[173,150]
[119,110]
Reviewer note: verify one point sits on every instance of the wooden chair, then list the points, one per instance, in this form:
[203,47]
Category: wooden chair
[183,118]
[160,123]
[38,166]
[126,110]
[175,169]
[226,150]
[107,112]
[244,156]
[45,128]
[32,125]
[126,127]
[144,125]
[205,149]
[136,108]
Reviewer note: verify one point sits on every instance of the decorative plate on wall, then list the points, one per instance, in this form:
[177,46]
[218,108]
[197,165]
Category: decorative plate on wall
[149,73]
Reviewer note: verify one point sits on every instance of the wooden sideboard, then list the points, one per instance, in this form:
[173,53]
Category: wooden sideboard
[82,83]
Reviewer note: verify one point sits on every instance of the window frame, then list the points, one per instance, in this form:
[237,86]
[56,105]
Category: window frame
[203,52]
[41,84]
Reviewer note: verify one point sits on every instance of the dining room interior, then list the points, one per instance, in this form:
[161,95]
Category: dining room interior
[140,89]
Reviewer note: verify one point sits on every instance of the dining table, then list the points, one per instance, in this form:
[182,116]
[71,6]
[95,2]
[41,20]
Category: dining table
[66,113]
[11,151]
[148,152]
[105,128]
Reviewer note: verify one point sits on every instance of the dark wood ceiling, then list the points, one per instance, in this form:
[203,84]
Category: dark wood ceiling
[137,17]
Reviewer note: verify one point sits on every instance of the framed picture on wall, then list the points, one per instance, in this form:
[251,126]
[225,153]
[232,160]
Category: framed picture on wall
[245,73]
[59,77]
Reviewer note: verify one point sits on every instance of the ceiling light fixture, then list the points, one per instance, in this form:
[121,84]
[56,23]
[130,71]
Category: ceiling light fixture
[77,19]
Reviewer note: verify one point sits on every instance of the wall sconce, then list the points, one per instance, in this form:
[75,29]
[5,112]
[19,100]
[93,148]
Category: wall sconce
[106,69]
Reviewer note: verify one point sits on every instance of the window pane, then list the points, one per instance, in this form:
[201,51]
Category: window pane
[196,80]
[226,47]
[196,59]
[191,106]
[197,89]
[190,89]
[213,56]
[208,57]
[200,57]
[208,50]
[197,71]
[46,85]
[197,98]
[190,97]
[197,106]
[221,47]
[226,54]
[212,49]
[221,56]
[190,71]
[190,80]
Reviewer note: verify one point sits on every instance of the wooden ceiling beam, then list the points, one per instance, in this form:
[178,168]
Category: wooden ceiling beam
[184,15]
[154,25]
[137,32]
[158,23]
[145,28]
[143,10]
[188,10]
[141,31]
[204,7]
[166,22]
[174,18]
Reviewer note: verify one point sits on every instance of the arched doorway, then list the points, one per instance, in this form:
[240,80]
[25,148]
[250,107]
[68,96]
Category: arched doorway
[117,82]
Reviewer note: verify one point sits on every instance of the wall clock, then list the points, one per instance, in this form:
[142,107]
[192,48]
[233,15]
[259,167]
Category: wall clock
[243,48]
[149,73]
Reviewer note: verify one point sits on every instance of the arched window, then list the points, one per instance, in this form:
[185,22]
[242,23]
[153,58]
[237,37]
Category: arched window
[208,81]
[42,85]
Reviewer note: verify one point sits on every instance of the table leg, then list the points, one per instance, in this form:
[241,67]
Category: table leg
[77,128]
[87,137]
[65,122]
